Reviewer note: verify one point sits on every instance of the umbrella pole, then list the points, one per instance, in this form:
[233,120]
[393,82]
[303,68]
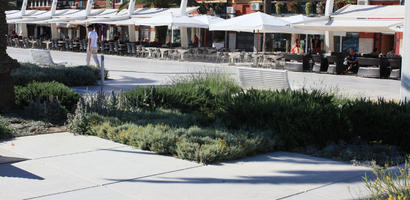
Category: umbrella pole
[306,43]
[172,37]
[264,42]
[257,42]
[204,37]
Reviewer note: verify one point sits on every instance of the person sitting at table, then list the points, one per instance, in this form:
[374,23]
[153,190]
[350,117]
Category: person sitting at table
[391,54]
[117,36]
[13,35]
[297,49]
[352,61]
[375,53]
[196,40]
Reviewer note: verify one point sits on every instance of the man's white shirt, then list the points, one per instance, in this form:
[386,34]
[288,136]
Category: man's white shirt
[94,38]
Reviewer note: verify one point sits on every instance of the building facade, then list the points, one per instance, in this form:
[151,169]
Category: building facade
[67,4]
[361,42]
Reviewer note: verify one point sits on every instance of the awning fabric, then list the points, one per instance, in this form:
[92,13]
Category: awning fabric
[208,19]
[254,22]
[359,18]
[351,25]
[172,20]
[113,17]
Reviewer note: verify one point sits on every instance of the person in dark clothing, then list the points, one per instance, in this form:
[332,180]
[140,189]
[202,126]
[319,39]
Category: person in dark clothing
[352,61]
[375,53]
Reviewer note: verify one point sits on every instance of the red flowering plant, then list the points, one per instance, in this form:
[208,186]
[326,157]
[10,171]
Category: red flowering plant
[293,6]
[340,4]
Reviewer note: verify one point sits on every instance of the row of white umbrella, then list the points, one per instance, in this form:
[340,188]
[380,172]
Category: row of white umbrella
[345,19]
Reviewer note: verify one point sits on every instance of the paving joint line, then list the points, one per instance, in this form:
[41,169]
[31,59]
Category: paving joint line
[114,182]
[315,188]
[75,153]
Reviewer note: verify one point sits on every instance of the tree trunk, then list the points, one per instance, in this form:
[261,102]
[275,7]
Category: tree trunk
[7,98]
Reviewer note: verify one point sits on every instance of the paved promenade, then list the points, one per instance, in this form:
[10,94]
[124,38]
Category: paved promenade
[131,72]
[65,166]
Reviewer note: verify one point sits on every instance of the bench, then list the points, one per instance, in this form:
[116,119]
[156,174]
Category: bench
[43,58]
[317,63]
[334,63]
[265,79]
[369,67]
[331,69]
[394,67]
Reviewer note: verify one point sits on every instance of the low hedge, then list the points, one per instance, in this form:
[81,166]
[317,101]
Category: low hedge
[205,145]
[69,76]
[49,101]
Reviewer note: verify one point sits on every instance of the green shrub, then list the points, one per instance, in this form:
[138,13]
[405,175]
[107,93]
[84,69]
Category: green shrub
[299,117]
[383,121]
[69,76]
[196,94]
[206,145]
[5,132]
[43,92]
[294,118]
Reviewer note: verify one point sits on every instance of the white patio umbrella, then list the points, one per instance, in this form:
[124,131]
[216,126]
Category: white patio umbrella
[208,19]
[359,18]
[172,21]
[254,22]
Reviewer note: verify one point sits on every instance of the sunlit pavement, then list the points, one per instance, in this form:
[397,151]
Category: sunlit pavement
[65,166]
[130,72]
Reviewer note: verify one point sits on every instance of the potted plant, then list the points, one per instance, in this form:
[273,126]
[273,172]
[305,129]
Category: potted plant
[320,7]
[340,4]
[278,8]
[308,8]
[293,7]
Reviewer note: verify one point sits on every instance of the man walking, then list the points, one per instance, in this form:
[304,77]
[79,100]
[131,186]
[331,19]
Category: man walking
[92,49]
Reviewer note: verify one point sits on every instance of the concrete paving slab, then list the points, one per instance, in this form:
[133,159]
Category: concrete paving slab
[271,176]
[95,193]
[112,165]
[58,144]
[35,178]
[98,172]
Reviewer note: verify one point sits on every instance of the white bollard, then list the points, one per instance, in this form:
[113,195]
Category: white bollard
[102,70]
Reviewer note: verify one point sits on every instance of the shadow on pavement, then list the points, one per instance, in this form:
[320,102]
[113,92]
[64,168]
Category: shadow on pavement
[279,176]
[8,170]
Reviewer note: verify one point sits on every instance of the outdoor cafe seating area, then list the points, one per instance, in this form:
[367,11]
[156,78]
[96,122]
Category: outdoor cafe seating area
[369,67]
[137,42]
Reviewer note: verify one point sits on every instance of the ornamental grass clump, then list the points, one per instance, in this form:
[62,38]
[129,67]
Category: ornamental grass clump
[389,184]
[5,132]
